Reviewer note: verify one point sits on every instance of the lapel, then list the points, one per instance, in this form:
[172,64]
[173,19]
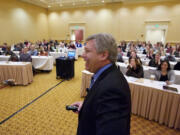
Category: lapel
[102,76]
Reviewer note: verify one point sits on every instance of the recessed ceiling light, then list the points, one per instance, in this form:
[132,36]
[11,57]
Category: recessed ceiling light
[102,1]
[49,6]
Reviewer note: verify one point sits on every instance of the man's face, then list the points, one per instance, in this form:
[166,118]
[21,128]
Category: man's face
[91,57]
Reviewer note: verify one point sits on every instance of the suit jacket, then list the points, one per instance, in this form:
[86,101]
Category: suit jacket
[107,107]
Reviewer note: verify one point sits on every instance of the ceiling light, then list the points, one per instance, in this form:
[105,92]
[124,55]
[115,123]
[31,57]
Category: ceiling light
[49,6]
[102,1]
[60,5]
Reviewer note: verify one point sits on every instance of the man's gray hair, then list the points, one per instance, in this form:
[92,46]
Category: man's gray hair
[105,42]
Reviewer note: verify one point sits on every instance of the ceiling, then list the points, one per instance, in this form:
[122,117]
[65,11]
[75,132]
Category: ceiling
[60,4]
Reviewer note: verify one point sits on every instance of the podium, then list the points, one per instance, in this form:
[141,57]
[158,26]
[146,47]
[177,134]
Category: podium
[64,68]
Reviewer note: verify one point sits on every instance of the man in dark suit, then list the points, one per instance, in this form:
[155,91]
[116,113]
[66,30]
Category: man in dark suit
[106,109]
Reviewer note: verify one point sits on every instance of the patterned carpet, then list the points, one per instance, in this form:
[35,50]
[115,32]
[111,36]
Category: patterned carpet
[47,115]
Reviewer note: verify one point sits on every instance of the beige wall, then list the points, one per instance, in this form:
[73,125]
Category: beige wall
[124,21]
[20,21]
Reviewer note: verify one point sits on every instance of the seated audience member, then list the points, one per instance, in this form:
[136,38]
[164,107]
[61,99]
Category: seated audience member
[175,51]
[168,48]
[177,66]
[150,54]
[26,42]
[134,55]
[17,48]
[135,69]
[164,73]
[156,61]
[25,56]
[22,45]
[71,46]
[42,52]
[123,45]
[120,55]
[149,44]
[146,50]
[50,48]
[13,57]
[143,48]
[170,58]
[162,51]
[56,43]
[33,51]
[4,48]
[139,46]
[78,44]
[45,43]
[132,49]
[7,51]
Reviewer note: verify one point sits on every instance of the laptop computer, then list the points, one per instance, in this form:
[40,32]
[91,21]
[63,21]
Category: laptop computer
[71,54]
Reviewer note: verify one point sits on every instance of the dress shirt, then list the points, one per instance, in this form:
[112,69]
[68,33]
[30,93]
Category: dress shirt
[98,73]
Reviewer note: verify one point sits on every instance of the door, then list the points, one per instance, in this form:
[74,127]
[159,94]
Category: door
[79,35]
[155,35]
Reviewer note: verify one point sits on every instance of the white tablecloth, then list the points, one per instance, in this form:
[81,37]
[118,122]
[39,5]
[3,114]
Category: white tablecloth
[141,55]
[42,62]
[16,52]
[151,83]
[39,62]
[4,58]
[57,54]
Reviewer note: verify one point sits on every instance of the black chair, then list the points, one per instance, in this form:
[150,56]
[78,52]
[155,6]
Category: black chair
[177,66]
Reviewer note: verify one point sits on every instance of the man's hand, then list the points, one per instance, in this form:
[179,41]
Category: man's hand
[78,104]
